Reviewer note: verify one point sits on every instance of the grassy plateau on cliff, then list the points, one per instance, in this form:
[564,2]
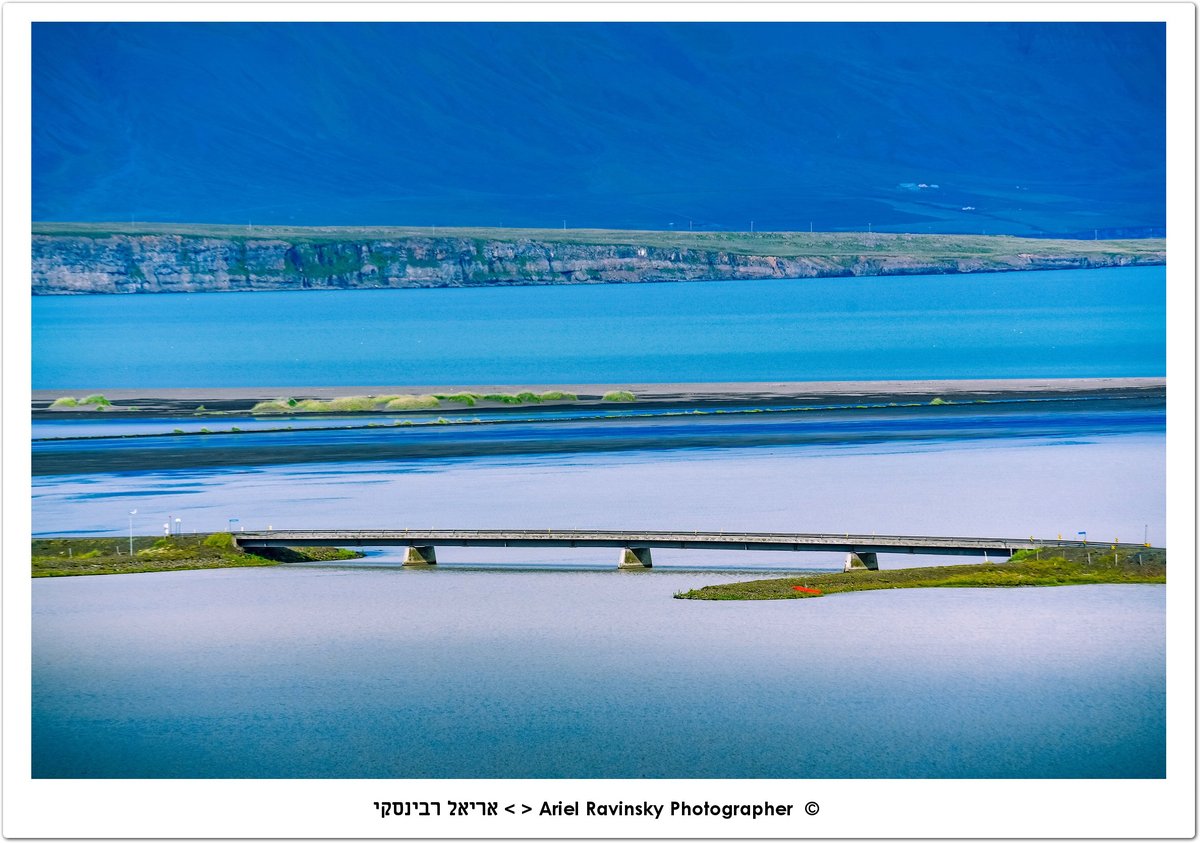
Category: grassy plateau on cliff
[766,243]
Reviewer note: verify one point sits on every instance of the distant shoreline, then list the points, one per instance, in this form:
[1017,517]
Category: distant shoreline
[106,258]
[186,401]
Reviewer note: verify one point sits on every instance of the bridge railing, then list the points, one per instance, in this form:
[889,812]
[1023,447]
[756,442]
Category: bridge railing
[697,536]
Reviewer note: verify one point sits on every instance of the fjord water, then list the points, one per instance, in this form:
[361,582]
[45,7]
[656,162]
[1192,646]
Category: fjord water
[1100,472]
[326,672]
[514,663]
[1066,323]
[518,663]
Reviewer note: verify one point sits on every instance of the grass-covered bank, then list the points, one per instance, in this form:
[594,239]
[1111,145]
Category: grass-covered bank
[1026,568]
[70,557]
[770,243]
[394,403]
[496,399]
[383,402]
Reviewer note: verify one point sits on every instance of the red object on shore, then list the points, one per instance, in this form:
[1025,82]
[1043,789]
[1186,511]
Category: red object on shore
[806,590]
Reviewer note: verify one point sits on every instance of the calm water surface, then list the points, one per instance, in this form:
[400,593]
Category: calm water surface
[327,672]
[1069,323]
[549,663]
[1111,485]
[525,668]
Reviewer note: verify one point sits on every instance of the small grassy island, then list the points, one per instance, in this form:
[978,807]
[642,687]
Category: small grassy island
[1026,568]
[110,555]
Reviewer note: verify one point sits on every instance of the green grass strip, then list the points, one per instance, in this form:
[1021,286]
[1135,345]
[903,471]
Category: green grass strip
[1027,568]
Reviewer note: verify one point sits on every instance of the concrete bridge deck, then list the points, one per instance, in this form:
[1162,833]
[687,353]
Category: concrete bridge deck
[636,545]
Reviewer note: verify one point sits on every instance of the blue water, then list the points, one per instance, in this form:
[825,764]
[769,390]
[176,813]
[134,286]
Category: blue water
[374,672]
[430,442]
[549,663]
[1097,479]
[1093,323]
[101,426]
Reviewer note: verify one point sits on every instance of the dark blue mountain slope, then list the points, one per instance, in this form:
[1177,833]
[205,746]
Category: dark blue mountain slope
[1034,128]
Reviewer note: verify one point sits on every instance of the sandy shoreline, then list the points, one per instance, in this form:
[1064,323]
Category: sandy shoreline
[187,399]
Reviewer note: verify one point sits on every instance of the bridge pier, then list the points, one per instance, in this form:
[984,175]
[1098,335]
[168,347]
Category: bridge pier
[862,562]
[420,556]
[634,558]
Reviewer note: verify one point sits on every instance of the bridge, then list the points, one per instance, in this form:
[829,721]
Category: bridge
[861,551]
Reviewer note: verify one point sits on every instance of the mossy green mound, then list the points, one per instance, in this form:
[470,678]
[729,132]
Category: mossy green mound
[69,401]
[619,395]
[411,402]
[388,403]
[468,399]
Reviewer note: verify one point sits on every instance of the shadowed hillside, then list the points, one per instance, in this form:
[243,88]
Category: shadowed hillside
[1031,128]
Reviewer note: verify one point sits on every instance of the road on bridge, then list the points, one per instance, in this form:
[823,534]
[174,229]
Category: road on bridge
[638,543]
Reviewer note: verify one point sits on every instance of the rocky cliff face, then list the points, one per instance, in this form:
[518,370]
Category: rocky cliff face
[155,263]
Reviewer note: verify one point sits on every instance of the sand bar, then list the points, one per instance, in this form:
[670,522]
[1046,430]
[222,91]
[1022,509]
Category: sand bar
[187,399]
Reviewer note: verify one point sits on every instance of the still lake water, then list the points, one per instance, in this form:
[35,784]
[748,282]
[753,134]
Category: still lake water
[326,672]
[1067,323]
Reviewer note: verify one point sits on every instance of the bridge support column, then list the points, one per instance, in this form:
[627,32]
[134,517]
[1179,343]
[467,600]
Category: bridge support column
[635,558]
[862,562]
[420,556]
